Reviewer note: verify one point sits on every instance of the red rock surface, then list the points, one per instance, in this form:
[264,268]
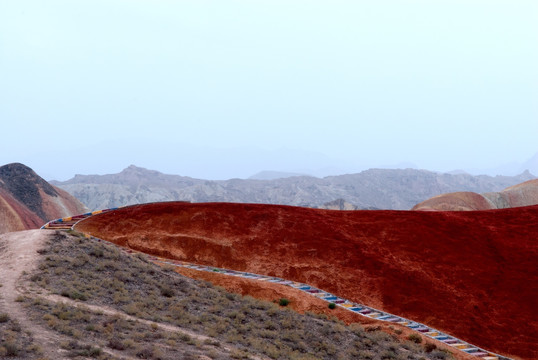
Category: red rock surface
[471,274]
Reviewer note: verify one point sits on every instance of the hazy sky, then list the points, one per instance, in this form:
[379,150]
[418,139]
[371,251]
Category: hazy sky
[221,89]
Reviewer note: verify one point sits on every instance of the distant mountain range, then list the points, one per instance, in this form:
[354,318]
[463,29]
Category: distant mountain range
[374,188]
[27,201]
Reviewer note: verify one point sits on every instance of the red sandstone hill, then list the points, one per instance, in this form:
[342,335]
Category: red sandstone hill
[27,201]
[471,274]
[523,194]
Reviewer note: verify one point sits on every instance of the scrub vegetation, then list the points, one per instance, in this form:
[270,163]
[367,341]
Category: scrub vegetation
[159,314]
[14,341]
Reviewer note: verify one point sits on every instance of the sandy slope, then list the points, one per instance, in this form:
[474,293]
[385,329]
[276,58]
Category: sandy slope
[471,274]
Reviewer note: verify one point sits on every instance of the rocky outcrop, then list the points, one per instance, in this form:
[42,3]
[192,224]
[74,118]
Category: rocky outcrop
[27,201]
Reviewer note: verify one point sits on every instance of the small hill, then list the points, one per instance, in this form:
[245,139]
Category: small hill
[398,189]
[470,274]
[518,195]
[456,201]
[27,201]
[524,194]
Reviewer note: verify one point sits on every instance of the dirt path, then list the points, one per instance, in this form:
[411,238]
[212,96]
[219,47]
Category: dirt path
[18,255]
[113,312]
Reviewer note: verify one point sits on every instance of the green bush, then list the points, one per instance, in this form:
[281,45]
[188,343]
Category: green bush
[415,338]
[116,344]
[283,302]
[429,347]
[167,291]
[75,295]
[4,317]
[95,351]
[11,349]
[440,354]
[332,306]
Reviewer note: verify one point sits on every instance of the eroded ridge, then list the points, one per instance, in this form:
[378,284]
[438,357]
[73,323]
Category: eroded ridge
[363,310]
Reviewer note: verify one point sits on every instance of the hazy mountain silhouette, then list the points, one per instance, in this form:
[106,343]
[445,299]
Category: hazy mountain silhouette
[374,188]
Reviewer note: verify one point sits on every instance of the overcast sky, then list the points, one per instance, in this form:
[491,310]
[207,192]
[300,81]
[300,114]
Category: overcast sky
[222,89]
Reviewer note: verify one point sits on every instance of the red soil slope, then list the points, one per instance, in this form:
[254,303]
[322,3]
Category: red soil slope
[15,216]
[471,274]
[524,194]
[27,201]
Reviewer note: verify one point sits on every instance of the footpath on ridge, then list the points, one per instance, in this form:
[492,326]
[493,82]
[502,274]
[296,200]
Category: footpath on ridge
[68,223]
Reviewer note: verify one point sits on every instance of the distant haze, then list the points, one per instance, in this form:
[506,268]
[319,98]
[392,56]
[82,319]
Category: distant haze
[225,89]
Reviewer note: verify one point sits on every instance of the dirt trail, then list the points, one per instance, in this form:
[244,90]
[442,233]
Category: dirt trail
[18,255]
[113,312]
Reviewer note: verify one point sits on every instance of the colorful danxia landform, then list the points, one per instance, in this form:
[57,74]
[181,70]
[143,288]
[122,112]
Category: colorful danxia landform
[27,200]
[469,274]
